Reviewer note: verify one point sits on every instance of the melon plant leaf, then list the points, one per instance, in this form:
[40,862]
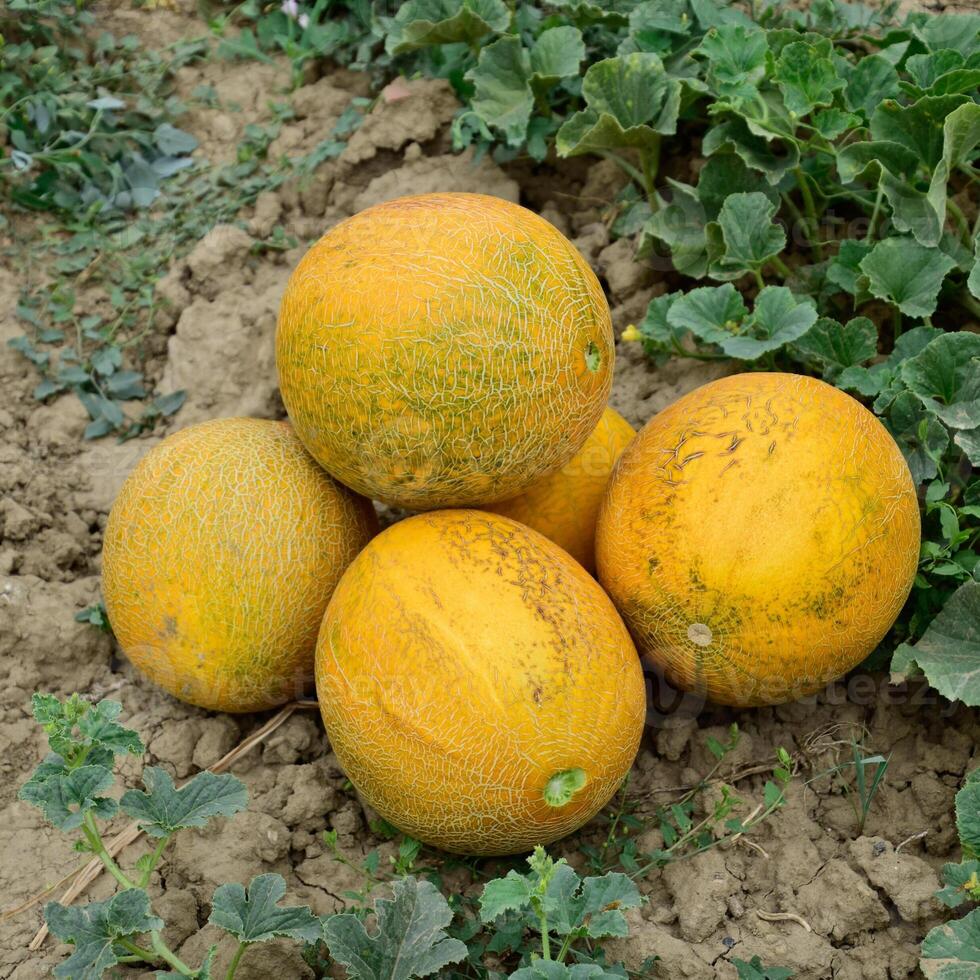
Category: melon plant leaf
[508,894]
[871,158]
[630,101]
[948,653]
[754,970]
[973,281]
[751,237]
[907,274]
[806,76]
[657,334]
[960,32]
[502,95]
[74,725]
[755,152]
[919,127]
[919,434]
[725,174]
[99,727]
[553,970]
[420,23]
[873,80]
[844,269]
[557,54]
[831,123]
[410,941]
[968,817]
[254,916]
[832,347]
[969,441]
[778,319]
[960,880]
[946,376]
[712,313]
[95,929]
[952,951]
[173,142]
[736,57]
[64,797]
[679,222]
[163,809]
[657,17]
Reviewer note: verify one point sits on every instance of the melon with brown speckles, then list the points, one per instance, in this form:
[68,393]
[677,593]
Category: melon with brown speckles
[564,505]
[220,554]
[477,685]
[759,536]
[443,350]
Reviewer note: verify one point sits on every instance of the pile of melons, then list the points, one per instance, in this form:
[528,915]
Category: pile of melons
[452,354]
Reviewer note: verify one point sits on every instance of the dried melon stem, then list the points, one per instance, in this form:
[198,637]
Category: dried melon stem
[562,786]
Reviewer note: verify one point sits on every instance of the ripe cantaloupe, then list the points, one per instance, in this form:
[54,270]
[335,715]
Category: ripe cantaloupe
[759,537]
[476,683]
[443,350]
[220,554]
[564,506]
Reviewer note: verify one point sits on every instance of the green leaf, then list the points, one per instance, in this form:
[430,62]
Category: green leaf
[630,101]
[948,653]
[907,274]
[421,23]
[873,80]
[831,123]
[919,434]
[553,970]
[163,809]
[255,916]
[831,347]
[958,878]
[557,54]
[957,31]
[98,726]
[502,95]
[973,282]
[713,313]
[774,159]
[844,269]
[411,940]
[173,142]
[969,441]
[968,816]
[869,159]
[750,235]
[76,725]
[778,319]
[679,222]
[655,17]
[919,126]
[952,951]
[946,376]
[509,894]
[64,797]
[95,929]
[725,174]
[736,58]
[806,76]
[507,75]
[754,970]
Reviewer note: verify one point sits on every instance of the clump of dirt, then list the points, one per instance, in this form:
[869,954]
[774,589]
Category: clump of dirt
[811,889]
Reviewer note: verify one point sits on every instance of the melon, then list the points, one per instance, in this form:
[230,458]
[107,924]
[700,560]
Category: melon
[564,505]
[220,554]
[477,685]
[759,537]
[443,350]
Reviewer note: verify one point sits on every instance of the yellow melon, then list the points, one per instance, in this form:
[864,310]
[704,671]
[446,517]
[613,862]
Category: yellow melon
[476,683]
[443,350]
[220,554]
[564,506]
[759,537]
